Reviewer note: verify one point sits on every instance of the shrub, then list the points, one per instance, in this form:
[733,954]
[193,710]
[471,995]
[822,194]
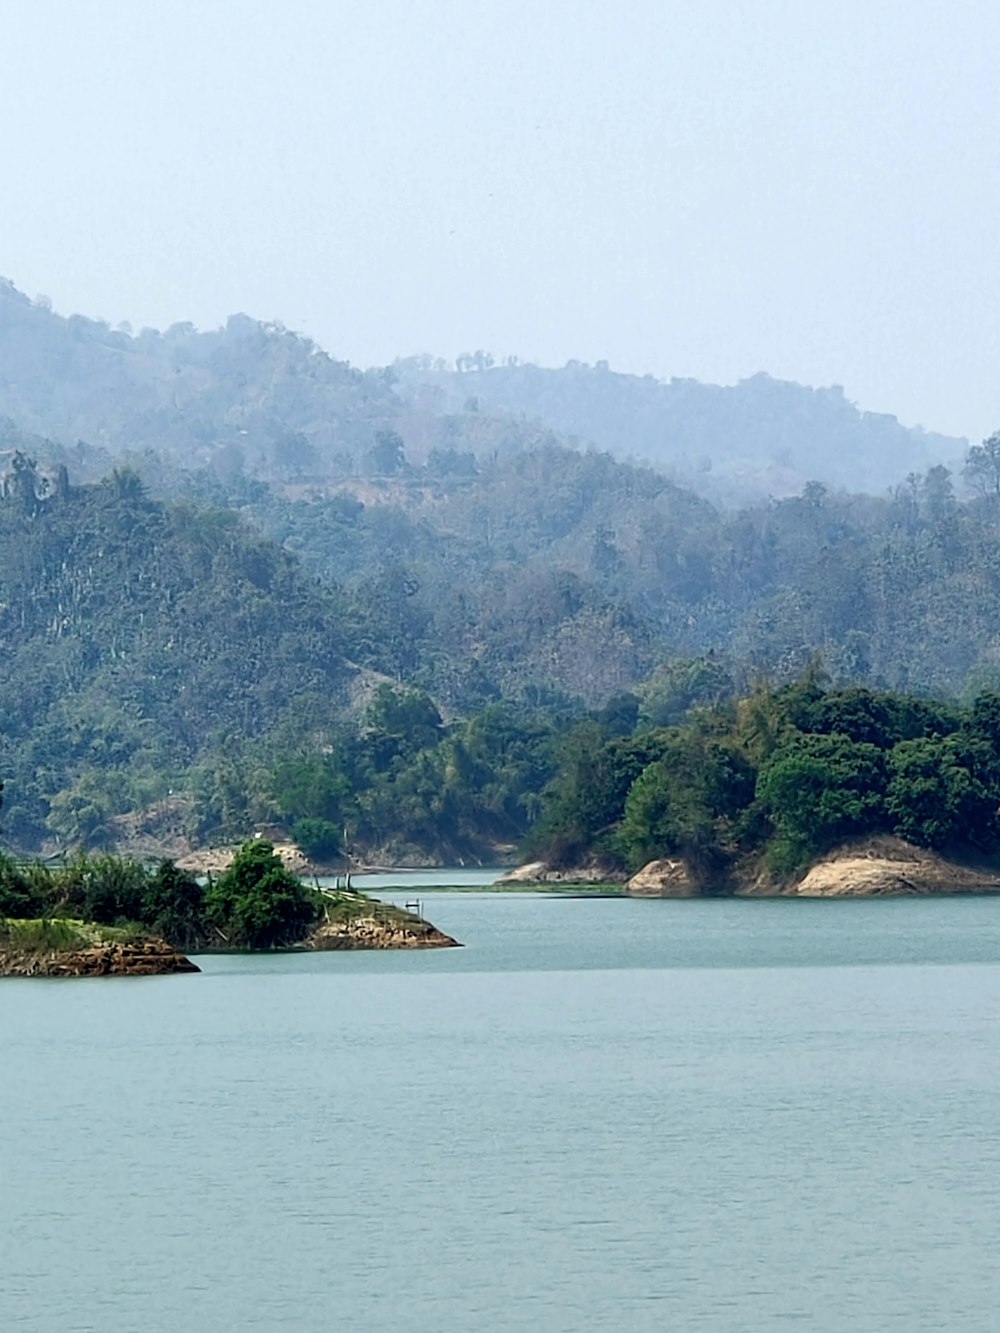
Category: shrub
[318,838]
[258,904]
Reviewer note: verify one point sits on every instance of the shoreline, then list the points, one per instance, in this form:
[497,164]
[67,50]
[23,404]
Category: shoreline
[140,958]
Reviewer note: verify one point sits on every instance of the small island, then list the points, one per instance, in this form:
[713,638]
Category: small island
[104,915]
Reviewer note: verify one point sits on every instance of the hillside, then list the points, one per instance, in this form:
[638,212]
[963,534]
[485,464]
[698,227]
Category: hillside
[573,570]
[250,396]
[254,400]
[216,549]
[734,444]
[134,638]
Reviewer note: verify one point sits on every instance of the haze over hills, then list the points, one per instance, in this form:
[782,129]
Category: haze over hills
[257,398]
[214,547]
[757,438]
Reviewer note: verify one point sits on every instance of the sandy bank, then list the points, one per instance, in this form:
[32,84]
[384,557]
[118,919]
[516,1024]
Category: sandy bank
[214,860]
[540,872]
[879,867]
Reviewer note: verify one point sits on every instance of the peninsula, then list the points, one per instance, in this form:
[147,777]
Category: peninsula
[106,916]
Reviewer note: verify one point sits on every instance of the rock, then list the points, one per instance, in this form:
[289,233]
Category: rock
[532,873]
[881,867]
[140,958]
[368,932]
[539,872]
[662,879]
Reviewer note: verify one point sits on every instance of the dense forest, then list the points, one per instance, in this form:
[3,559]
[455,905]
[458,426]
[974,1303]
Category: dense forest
[776,778]
[243,584]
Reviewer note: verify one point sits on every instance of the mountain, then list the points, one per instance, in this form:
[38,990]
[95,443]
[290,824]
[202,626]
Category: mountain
[256,400]
[136,637]
[250,395]
[757,438]
[216,550]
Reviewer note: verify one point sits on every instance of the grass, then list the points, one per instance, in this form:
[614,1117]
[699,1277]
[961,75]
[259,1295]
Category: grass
[342,907]
[59,934]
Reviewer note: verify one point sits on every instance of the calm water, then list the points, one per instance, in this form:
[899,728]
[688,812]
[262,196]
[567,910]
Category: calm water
[600,1115]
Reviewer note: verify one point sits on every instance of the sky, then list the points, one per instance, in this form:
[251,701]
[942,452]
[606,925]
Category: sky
[704,188]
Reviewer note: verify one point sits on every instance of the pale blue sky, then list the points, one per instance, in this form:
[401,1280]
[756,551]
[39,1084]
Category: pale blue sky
[689,187]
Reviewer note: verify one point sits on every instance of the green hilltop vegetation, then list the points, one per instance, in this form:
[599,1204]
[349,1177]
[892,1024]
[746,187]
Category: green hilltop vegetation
[244,585]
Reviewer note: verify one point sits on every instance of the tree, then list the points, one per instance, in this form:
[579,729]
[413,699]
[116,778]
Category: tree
[387,454]
[820,789]
[256,903]
[982,466]
[878,717]
[935,798]
[318,838]
[689,804]
[173,905]
[309,789]
[408,718]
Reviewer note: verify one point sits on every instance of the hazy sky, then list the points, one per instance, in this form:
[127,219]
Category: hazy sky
[684,187]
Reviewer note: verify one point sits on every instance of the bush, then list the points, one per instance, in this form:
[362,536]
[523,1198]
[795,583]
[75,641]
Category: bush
[258,904]
[103,888]
[24,891]
[173,906]
[318,838]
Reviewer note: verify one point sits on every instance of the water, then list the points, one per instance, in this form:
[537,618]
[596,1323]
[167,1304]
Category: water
[600,1115]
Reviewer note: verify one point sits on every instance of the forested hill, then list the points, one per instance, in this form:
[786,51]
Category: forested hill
[250,395]
[286,533]
[135,637]
[760,437]
[151,648]
[254,399]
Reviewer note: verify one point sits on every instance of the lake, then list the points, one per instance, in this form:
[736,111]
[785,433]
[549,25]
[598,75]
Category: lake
[602,1114]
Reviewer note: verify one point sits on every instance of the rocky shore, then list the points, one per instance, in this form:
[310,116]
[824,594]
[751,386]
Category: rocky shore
[662,879]
[142,958]
[872,867]
[368,932]
[880,867]
[540,872]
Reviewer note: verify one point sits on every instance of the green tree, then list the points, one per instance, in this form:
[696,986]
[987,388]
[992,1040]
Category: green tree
[819,789]
[689,803]
[935,797]
[318,838]
[104,888]
[173,906]
[878,717]
[21,893]
[256,903]
[309,789]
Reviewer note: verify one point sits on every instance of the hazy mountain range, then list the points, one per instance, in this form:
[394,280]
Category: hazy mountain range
[215,546]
